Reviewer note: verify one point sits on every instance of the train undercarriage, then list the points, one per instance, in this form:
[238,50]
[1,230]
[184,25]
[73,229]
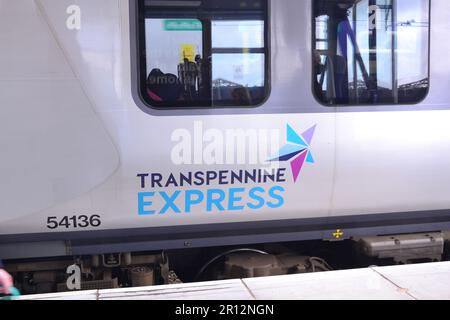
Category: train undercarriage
[137,269]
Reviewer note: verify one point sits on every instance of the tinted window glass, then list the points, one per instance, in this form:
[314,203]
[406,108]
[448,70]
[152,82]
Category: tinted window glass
[206,53]
[371,51]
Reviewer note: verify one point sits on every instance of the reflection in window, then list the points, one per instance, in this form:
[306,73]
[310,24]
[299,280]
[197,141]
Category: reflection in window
[211,54]
[371,51]
[238,60]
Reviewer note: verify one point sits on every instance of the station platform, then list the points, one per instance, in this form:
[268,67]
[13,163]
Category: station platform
[411,282]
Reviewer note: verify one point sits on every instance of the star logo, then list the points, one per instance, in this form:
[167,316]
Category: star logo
[296,150]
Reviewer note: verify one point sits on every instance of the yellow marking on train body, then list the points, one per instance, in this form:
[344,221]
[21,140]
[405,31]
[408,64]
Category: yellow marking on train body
[338,234]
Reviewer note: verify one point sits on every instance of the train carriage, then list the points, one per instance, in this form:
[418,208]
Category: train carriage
[151,125]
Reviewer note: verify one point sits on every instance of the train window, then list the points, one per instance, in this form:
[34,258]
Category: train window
[369,52]
[203,53]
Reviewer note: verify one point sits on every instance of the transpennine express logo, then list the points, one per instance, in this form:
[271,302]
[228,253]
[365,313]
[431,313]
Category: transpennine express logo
[235,188]
[296,150]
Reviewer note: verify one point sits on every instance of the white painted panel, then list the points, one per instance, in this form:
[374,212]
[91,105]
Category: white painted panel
[94,51]
[392,162]
[28,50]
[440,47]
[54,148]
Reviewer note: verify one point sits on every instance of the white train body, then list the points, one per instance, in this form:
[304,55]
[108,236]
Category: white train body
[75,145]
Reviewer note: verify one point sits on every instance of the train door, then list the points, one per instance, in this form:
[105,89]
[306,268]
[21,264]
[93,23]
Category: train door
[377,75]
[240,67]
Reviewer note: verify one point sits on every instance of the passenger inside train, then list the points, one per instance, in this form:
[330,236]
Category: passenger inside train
[164,87]
[188,85]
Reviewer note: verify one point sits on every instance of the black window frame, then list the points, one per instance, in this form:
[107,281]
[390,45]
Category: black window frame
[141,61]
[372,106]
